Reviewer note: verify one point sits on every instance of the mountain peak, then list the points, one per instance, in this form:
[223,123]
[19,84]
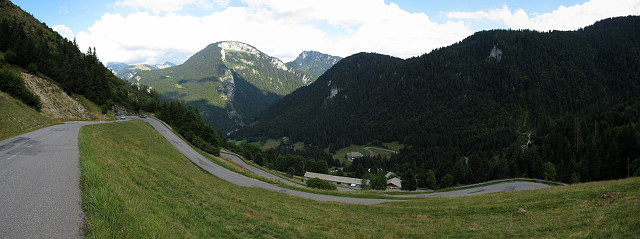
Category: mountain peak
[238,46]
[243,47]
[314,63]
[229,82]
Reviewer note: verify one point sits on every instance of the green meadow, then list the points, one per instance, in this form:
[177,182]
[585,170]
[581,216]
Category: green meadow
[136,185]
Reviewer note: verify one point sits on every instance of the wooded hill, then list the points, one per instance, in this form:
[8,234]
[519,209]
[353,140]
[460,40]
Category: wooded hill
[498,104]
[27,45]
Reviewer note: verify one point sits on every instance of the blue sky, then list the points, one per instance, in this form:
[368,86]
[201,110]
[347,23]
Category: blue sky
[154,31]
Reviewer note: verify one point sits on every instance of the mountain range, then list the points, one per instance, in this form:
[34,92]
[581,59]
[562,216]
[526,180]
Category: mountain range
[125,71]
[502,101]
[228,82]
[498,104]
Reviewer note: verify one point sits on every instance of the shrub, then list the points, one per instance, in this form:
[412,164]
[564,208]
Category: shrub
[13,85]
[32,68]
[212,149]
[447,181]
[10,57]
[321,184]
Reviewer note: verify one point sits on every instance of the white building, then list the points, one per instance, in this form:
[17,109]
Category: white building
[354,182]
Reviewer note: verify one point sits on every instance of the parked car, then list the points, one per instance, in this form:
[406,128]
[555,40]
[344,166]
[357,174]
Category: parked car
[143,116]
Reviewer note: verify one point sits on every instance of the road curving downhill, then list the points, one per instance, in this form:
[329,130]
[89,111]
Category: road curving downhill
[241,180]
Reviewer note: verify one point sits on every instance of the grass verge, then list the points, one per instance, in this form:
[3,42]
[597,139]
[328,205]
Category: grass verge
[136,185]
[16,118]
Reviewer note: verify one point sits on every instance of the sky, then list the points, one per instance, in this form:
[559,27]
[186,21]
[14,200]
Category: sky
[155,31]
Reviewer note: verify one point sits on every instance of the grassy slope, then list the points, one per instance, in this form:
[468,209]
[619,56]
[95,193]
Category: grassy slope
[134,184]
[340,153]
[17,118]
[94,110]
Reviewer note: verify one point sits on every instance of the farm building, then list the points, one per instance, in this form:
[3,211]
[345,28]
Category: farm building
[354,182]
[394,183]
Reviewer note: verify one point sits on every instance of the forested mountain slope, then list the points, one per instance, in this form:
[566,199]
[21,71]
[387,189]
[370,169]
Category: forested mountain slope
[228,82]
[498,104]
[32,45]
[27,45]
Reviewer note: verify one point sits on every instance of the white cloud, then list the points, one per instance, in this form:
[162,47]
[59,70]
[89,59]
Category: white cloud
[563,18]
[370,25]
[158,6]
[64,31]
[279,28]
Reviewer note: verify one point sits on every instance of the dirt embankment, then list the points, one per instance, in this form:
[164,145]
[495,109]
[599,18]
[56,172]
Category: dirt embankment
[56,104]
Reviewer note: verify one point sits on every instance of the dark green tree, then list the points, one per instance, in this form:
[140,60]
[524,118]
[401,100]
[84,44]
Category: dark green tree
[431,179]
[408,181]
[421,178]
[549,171]
[447,181]
[378,181]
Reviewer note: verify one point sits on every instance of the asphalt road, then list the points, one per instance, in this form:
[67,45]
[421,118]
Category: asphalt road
[501,187]
[263,173]
[241,180]
[371,152]
[39,184]
[255,170]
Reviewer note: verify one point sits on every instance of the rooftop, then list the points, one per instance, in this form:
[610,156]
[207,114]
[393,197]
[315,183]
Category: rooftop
[333,178]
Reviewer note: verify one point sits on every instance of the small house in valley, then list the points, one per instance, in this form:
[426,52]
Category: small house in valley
[394,183]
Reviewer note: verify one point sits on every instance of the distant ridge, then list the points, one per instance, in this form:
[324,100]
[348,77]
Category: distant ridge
[314,63]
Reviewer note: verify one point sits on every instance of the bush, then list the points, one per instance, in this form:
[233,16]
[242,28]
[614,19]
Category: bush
[104,109]
[13,85]
[549,171]
[378,181]
[447,181]
[32,68]
[10,57]
[212,149]
[321,184]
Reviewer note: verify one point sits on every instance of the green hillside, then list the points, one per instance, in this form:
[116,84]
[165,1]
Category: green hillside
[498,104]
[136,186]
[36,48]
[129,71]
[314,63]
[228,82]
[17,118]
[57,66]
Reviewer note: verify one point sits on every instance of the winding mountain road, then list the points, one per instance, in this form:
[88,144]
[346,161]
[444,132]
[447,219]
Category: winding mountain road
[371,152]
[501,187]
[241,180]
[236,159]
[40,193]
